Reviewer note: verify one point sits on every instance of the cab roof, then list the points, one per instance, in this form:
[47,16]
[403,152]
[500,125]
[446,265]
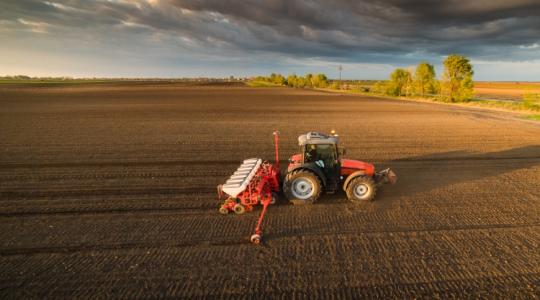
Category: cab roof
[317,138]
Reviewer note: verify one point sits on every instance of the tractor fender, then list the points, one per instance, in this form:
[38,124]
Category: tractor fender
[313,168]
[351,177]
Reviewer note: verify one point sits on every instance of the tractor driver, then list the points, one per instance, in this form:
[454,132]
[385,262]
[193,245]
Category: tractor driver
[313,155]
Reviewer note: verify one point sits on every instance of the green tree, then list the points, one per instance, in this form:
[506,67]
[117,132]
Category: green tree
[457,83]
[301,82]
[291,80]
[400,82]
[308,80]
[424,79]
[319,81]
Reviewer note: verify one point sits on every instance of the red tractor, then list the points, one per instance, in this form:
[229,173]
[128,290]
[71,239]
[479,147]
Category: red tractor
[318,167]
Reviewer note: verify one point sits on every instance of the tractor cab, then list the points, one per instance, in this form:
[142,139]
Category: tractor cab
[322,150]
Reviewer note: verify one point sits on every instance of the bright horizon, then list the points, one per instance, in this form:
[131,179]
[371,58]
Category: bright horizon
[172,39]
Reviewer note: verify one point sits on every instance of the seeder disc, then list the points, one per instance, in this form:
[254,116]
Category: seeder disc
[256,239]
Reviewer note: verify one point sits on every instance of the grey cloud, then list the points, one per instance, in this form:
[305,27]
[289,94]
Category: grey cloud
[384,31]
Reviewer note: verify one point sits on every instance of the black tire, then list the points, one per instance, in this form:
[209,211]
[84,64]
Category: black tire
[302,182]
[275,198]
[239,209]
[361,188]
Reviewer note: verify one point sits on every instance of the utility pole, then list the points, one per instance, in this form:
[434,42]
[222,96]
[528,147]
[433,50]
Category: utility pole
[340,68]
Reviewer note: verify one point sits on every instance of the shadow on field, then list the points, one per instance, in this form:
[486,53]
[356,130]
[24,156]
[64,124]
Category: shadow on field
[419,174]
[427,172]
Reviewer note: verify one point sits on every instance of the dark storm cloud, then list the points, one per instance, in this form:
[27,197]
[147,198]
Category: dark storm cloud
[391,26]
[381,31]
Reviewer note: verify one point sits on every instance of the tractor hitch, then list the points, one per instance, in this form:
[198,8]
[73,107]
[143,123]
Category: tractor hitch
[385,176]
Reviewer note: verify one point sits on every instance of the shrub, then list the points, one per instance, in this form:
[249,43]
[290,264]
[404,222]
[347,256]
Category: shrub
[532,101]
[335,85]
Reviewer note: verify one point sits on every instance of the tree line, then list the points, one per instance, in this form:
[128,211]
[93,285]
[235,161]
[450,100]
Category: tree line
[307,81]
[455,85]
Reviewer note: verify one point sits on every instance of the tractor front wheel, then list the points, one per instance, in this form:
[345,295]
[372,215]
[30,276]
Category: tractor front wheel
[361,188]
[302,187]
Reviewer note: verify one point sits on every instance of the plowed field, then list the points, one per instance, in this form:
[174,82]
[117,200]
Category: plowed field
[108,191]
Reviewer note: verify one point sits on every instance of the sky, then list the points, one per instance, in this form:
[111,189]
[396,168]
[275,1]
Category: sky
[218,38]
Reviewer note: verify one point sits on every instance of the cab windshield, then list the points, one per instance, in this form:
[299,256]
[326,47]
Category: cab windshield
[324,152]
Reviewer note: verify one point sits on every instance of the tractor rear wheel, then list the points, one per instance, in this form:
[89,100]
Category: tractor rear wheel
[302,187]
[361,188]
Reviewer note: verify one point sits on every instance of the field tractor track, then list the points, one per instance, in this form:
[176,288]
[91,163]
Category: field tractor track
[122,246]
[55,176]
[102,164]
[235,241]
[100,192]
[353,232]
[154,210]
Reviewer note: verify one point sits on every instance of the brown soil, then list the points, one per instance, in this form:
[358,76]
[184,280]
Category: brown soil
[109,192]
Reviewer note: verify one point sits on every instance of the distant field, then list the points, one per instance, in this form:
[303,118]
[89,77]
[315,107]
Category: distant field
[486,90]
[505,90]
[7,82]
